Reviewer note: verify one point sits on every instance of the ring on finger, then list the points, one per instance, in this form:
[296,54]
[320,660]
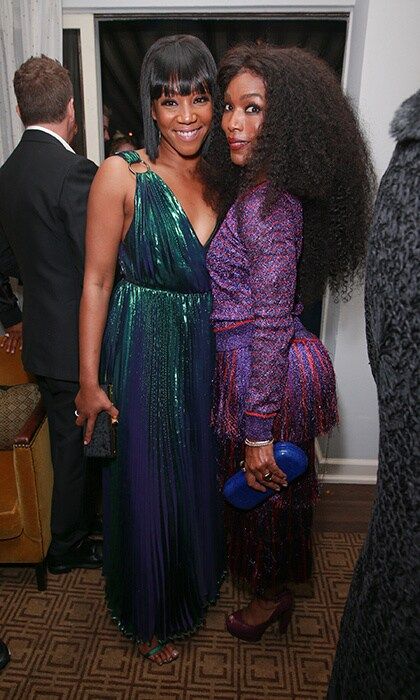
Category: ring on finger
[267,476]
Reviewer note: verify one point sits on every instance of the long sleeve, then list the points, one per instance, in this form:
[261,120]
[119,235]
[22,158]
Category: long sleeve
[73,206]
[10,313]
[273,246]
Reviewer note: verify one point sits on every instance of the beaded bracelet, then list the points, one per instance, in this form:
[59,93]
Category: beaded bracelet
[258,443]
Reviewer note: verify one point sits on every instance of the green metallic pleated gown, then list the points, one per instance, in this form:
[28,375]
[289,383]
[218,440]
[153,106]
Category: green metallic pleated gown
[163,540]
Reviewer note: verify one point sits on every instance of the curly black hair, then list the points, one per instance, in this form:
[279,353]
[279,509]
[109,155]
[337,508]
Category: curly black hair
[310,145]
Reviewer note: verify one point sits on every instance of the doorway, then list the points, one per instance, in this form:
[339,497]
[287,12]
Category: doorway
[123,44]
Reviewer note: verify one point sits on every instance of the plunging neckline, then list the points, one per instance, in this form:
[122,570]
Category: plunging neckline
[177,201]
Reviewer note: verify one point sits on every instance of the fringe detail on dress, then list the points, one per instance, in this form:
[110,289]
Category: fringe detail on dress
[309,404]
[271,544]
[228,402]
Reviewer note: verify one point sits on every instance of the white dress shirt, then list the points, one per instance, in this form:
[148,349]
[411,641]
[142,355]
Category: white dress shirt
[51,133]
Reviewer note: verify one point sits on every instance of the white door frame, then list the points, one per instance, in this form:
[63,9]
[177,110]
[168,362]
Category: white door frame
[85,15]
[91,81]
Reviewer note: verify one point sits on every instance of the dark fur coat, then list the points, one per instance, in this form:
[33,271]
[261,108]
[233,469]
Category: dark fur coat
[378,651]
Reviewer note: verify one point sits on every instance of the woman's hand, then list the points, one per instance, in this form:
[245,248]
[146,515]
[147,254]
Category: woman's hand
[261,469]
[12,338]
[90,401]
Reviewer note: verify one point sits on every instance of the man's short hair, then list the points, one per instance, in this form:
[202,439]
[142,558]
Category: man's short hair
[43,89]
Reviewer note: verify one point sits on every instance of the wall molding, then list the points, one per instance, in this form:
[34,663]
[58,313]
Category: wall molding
[344,470]
[206,6]
[348,471]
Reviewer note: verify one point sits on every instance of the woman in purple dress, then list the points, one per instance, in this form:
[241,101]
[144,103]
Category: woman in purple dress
[298,168]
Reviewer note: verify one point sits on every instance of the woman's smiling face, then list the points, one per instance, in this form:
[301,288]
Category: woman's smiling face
[243,114]
[183,121]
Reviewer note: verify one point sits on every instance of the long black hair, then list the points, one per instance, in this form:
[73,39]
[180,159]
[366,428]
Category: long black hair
[180,63]
[310,145]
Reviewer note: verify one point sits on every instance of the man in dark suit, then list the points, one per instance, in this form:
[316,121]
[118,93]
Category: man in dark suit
[44,187]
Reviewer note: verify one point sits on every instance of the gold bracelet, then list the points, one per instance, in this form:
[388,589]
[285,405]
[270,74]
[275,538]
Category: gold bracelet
[258,443]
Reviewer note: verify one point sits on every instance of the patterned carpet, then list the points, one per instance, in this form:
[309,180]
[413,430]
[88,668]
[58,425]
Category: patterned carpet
[65,647]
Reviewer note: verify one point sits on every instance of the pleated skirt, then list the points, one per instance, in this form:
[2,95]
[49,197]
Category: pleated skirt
[164,552]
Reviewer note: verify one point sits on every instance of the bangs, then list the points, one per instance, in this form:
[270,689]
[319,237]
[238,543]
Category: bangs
[179,86]
[183,69]
[181,65]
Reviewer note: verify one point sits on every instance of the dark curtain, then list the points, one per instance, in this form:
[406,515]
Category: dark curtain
[123,44]
[71,60]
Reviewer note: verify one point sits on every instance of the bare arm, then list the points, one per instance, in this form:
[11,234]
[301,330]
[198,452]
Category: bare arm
[105,223]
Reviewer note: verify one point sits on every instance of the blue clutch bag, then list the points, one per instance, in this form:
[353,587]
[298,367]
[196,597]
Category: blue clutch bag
[290,458]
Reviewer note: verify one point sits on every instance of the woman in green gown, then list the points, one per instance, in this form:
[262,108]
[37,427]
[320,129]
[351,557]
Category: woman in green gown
[163,546]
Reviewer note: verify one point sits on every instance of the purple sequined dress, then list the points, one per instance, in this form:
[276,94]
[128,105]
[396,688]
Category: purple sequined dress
[273,378]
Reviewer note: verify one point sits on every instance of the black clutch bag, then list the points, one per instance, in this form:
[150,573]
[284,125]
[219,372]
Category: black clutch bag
[104,437]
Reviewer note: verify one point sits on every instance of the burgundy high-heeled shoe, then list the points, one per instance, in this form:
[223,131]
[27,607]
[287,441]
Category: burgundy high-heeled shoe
[253,633]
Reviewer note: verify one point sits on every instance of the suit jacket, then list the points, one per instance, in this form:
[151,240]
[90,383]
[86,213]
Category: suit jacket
[43,198]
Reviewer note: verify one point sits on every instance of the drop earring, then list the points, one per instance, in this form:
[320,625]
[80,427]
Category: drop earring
[158,134]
